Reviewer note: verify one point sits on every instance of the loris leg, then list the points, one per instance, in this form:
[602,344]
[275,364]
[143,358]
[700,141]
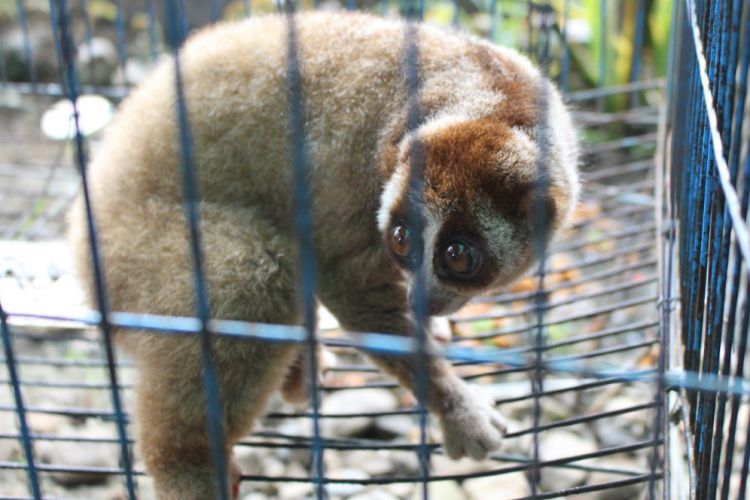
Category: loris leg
[172,420]
[377,303]
[251,276]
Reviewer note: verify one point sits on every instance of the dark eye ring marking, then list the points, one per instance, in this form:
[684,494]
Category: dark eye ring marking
[403,245]
[400,241]
[461,259]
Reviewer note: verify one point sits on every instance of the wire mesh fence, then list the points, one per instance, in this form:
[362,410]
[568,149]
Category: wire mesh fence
[618,362]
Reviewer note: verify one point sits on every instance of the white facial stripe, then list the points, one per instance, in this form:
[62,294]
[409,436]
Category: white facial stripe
[394,188]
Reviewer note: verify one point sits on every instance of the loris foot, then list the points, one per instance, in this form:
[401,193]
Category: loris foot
[472,426]
[235,477]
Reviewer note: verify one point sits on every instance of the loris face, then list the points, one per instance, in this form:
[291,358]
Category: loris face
[476,213]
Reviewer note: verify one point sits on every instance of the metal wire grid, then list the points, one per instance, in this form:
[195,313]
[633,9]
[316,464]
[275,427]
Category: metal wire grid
[707,204]
[609,273]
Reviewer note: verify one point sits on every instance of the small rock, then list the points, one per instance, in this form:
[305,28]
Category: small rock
[555,409]
[273,467]
[97,60]
[84,455]
[559,444]
[41,423]
[401,490]
[94,113]
[626,428]
[377,493]
[295,490]
[512,485]
[136,71]
[405,463]
[395,425]
[146,487]
[14,483]
[250,459]
[375,463]
[355,401]
[347,489]
[444,466]
[335,459]
[611,434]
[255,496]
[622,493]
[441,490]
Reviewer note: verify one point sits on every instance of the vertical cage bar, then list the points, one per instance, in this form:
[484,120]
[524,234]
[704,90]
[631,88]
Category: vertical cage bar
[701,334]
[59,17]
[603,47]
[745,328]
[28,50]
[15,381]
[565,64]
[303,208]
[540,228]
[715,277]
[3,64]
[732,19]
[412,74]
[737,267]
[153,31]
[637,57]
[547,20]
[122,41]
[216,7]
[89,34]
[176,29]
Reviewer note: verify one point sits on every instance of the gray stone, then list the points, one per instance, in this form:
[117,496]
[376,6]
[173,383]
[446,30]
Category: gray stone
[555,409]
[295,490]
[273,467]
[626,428]
[622,493]
[347,489]
[78,455]
[512,485]
[250,459]
[401,490]
[444,466]
[255,496]
[374,493]
[557,444]
[146,488]
[375,463]
[395,425]
[46,424]
[441,490]
[97,60]
[355,401]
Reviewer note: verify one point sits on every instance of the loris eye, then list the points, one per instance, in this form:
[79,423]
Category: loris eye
[461,259]
[400,241]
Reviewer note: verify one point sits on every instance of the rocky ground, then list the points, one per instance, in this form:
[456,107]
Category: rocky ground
[66,392]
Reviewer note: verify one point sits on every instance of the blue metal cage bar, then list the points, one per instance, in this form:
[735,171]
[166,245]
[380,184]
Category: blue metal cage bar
[709,205]
[709,188]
